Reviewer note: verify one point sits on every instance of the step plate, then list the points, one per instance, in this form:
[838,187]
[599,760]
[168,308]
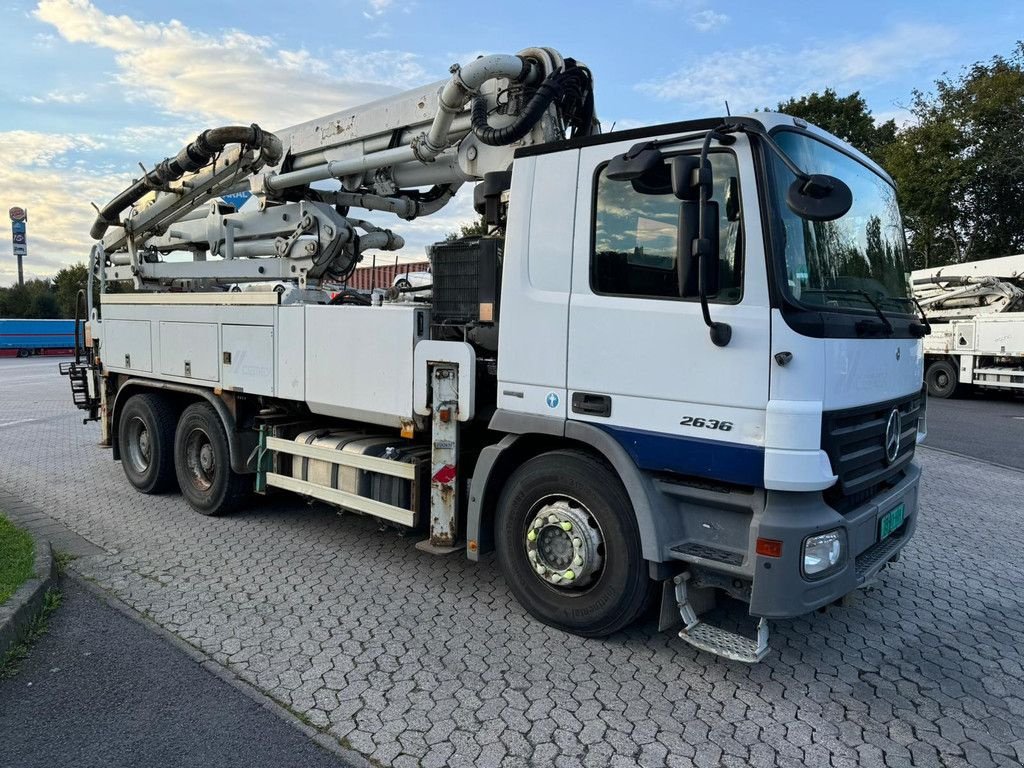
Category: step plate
[722,642]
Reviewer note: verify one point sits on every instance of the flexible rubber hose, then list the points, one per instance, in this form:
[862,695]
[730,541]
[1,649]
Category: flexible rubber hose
[191,158]
[498,137]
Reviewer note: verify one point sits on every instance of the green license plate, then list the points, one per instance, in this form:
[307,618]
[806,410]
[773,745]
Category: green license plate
[891,520]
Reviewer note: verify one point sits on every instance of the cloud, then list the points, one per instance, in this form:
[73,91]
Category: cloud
[763,75]
[194,79]
[233,75]
[57,97]
[377,8]
[708,20]
[42,172]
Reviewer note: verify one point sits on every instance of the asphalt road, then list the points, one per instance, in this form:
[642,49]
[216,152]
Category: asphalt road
[102,690]
[983,425]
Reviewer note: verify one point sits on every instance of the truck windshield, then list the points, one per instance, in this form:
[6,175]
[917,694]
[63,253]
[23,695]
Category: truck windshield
[857,261]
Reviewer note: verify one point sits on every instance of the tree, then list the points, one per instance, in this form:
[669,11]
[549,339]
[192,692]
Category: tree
[67,283]
[960,169]
[33,300]
[476,228]
[847,117]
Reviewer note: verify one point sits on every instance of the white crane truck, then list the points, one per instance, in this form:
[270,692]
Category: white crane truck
[681,364]
[977,314]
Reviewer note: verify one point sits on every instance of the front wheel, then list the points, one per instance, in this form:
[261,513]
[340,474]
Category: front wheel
[202,461]
[941,378]
[569,547]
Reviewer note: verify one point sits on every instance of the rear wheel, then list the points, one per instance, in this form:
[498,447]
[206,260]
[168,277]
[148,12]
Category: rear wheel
[145,435]
[569,547]
[941,378]
[202,461]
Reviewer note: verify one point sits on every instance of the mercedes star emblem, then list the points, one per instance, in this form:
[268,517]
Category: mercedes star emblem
[892,435]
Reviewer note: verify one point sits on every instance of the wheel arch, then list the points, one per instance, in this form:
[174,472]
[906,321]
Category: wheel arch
[528,436]
[238,445]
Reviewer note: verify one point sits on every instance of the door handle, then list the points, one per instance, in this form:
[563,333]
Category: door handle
[589,404]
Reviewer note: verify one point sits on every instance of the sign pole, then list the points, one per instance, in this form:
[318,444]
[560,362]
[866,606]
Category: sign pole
[19,225]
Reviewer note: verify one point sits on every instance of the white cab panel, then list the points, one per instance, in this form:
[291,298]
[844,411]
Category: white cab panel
[248,358]
[659,349]
[844,373]
[532,347]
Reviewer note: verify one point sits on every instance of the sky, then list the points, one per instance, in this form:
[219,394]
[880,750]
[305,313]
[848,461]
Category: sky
[93,88]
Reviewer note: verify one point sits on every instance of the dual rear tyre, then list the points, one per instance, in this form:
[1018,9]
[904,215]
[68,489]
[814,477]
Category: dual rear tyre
[160,449]
[941,378]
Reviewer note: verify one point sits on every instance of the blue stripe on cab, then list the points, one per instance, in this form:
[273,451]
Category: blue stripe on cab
[712,459]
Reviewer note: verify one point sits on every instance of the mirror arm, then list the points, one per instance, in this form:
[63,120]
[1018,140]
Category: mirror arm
[772,145]
[721,333]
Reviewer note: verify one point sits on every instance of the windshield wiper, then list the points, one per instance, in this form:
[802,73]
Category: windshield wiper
[853,292]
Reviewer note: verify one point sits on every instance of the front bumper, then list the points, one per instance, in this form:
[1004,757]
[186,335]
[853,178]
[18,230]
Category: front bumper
[779,588]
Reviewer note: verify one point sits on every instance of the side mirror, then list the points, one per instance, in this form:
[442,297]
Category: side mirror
[819,197]
[691,250]
[685,180]
[637,162]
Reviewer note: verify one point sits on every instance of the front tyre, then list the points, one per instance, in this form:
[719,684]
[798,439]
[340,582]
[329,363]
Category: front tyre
[202,461]
[569,547]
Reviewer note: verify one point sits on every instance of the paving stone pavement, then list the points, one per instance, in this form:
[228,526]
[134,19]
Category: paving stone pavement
[416,660]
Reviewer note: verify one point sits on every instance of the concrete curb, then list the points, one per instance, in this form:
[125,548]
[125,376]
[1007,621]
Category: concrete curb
[25,604]
[970,458]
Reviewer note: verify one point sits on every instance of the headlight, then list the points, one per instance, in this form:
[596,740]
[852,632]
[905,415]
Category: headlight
[823,552]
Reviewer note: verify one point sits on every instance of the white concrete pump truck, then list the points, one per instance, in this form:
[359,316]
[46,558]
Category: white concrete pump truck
[682,363]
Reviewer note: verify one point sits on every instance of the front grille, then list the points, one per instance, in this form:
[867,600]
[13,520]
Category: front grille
[854,440]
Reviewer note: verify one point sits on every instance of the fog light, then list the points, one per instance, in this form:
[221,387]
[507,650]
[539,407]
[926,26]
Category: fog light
[823,552]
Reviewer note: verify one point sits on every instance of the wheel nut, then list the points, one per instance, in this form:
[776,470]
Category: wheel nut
[566,526]
[568,575]
[532,535]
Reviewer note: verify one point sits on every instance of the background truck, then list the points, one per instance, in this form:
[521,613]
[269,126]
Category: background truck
[682,364]
[22,338]
[977,315]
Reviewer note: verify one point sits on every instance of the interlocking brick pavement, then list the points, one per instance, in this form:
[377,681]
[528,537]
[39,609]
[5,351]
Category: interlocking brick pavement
[417,660]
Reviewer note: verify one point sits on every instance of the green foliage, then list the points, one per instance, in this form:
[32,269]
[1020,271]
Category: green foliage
[35,300]
[472,229]
[51,299]
[847,117]
[17,557]
[960,169]
[67,283]
[958,165]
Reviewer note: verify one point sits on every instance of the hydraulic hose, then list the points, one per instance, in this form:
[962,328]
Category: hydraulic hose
[571,88]
[498,137]
[191,158]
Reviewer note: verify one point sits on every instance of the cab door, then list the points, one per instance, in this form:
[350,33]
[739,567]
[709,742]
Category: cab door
[641,364]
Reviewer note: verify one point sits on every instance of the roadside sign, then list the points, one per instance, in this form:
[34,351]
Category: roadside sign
[17,213]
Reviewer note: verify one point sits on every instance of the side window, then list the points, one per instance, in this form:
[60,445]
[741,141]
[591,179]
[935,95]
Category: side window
[636,236]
